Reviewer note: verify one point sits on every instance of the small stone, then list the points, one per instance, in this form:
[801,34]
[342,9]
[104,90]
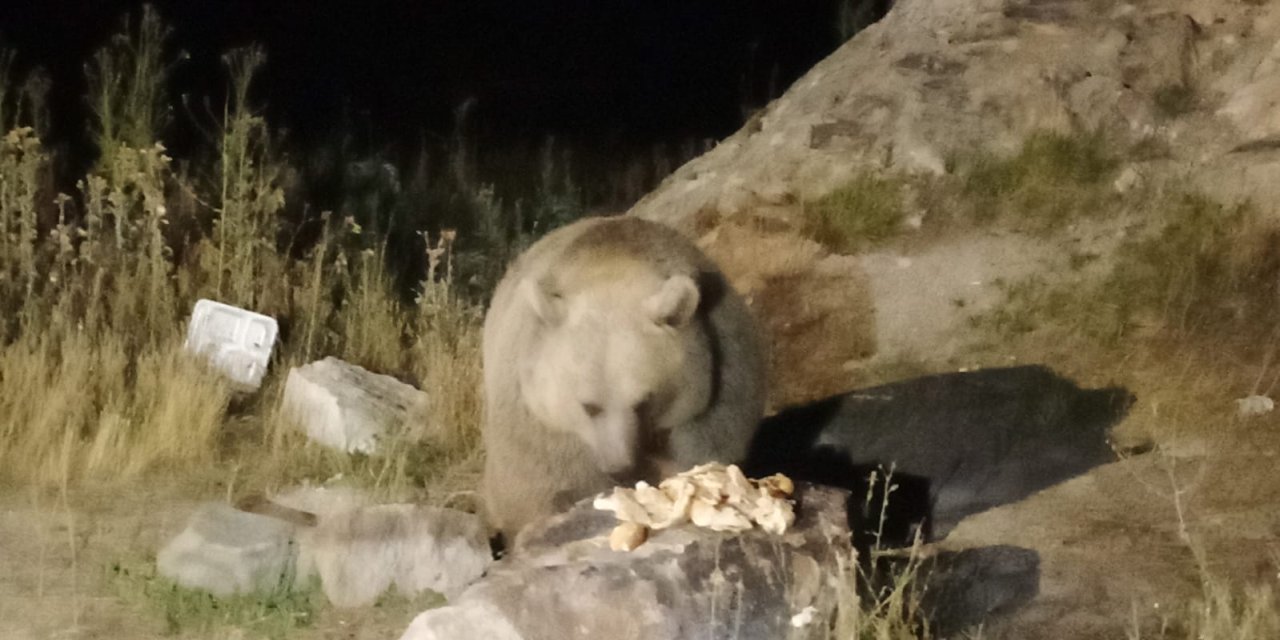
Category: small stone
[803,618]
[1254,405]
[1127,180]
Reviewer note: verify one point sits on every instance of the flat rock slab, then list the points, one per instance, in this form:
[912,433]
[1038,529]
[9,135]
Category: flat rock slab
[562,581]
[357,550]
[226,551]
[359,553]
[347,407]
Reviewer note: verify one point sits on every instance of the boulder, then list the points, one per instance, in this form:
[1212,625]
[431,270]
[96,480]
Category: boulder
[562,580]
[347,407]
[937,80]
[964,589]
[356,549]
[359,553]
[360,549]
[226,551]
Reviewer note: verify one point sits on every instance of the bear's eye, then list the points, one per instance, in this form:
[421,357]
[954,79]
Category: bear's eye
[591,409]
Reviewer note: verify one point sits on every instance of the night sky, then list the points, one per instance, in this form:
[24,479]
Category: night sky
[639,70]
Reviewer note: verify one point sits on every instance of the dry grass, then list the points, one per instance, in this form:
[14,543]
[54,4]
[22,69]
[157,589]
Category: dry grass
[879,601]
[865,211]
[95,387]
[1224,609]
[94,384]
[1183,316]
[1053,179]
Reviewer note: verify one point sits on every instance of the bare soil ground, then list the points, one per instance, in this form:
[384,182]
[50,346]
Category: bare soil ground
[1112,544]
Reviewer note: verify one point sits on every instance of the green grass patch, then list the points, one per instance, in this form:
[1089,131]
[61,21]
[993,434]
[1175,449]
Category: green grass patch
[274,614]
[1205,267]
[1052,180]
[1208,266]
[865,211]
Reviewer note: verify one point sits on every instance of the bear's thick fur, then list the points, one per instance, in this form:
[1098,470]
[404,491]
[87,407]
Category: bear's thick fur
[614,351]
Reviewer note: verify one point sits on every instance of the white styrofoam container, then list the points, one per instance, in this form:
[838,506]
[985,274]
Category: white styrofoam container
[237,342]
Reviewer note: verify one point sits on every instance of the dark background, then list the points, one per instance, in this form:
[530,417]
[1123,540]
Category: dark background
[629,71]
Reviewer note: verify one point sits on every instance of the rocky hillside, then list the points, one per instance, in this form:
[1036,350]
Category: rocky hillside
[938,79]
[1106,115]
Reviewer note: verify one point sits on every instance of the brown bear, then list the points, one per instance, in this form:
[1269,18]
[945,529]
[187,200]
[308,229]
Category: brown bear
[614,351]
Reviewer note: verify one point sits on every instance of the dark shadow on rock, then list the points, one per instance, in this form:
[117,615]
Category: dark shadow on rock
[959,443]
[966,588]
[958,590]
[560,580]
[672,581]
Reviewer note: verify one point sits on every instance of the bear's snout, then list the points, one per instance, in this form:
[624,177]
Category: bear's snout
[616,442]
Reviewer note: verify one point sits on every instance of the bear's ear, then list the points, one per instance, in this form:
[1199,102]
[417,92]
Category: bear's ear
[544,299]
[675,303]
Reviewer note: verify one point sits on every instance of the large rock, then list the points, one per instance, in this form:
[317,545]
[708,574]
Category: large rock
[347,407]
[563,581]
[362,552]
[357,550]
[360,549]
[226,551]
[967,588]
[938,79]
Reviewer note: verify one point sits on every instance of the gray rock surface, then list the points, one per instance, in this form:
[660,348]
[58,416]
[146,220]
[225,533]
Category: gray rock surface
[226,551]
[347,407]
[357,550]
[359,553]
[959,443]
[360,549]
[940,76]
[563,581]
[937,79]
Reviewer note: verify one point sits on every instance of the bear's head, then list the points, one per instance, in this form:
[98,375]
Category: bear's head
[620,361]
